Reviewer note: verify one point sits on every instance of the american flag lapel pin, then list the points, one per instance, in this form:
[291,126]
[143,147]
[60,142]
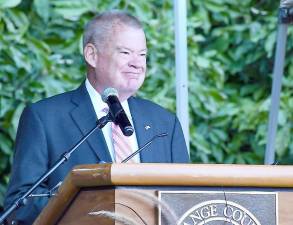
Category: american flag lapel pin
[146,127]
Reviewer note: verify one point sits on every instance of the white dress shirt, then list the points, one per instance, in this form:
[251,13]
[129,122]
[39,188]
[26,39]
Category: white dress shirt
[99,105]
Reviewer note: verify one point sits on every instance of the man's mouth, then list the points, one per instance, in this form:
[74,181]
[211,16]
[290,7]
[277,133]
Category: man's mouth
[130,72]
[133,75]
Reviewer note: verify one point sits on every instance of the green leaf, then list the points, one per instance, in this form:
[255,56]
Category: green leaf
[5,144]
[43,9]
[270,43]
[9,3]
[72,10]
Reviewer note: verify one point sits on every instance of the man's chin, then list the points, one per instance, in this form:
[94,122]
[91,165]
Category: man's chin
[125,94]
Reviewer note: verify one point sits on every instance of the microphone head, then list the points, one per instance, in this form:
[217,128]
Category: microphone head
[109,92]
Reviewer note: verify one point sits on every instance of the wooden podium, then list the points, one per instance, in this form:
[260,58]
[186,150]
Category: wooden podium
[94,194]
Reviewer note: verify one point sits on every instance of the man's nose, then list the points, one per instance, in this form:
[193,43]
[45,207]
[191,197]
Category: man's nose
[136,62]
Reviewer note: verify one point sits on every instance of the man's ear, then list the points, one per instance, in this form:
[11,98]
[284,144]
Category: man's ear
[90,54]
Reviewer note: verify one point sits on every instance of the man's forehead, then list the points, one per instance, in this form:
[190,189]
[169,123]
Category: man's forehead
[119,27]
[131,38]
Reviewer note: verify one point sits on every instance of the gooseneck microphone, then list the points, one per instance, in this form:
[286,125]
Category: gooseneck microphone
[143,147]
[117,113]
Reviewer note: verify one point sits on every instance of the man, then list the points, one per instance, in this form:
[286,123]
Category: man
[115,53]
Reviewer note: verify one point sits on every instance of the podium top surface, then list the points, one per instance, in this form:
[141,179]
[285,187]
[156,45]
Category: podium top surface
[152,174]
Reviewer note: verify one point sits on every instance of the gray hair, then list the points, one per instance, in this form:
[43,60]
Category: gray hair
[98,30]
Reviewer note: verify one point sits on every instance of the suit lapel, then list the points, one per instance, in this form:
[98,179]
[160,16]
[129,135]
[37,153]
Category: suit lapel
[85,119]
[145,129]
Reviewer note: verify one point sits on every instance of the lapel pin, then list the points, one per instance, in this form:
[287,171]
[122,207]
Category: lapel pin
[147,127]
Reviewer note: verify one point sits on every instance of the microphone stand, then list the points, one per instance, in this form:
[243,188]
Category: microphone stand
[64,157]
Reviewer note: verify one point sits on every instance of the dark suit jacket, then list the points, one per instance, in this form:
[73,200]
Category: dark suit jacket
[52,126]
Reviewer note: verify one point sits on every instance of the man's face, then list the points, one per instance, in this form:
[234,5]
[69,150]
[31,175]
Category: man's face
[121,63]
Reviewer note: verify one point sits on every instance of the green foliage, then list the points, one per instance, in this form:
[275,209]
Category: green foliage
[230,47]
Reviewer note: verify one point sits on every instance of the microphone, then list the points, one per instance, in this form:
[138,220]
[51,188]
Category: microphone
[119,117]
[144,146]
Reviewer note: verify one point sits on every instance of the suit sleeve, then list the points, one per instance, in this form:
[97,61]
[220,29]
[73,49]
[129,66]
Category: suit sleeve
[179,149]
[30,163]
